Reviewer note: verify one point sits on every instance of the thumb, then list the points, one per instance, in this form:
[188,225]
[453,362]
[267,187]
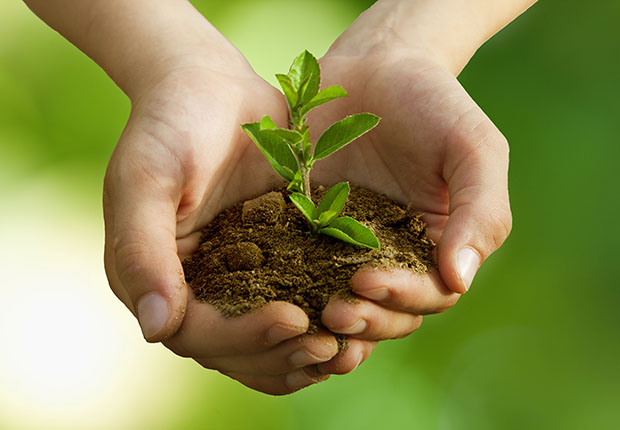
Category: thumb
[141,259]
[479,216]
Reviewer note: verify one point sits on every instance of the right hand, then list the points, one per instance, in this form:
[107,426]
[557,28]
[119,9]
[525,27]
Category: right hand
[434,150]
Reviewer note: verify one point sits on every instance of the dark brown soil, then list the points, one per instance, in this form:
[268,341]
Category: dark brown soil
[261,251]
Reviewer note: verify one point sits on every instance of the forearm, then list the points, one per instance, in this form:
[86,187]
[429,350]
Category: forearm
[135,41]
[451,30]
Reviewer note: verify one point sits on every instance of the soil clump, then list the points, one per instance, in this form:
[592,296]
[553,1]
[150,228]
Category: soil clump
[261,251]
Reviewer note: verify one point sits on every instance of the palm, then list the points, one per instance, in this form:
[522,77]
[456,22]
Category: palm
[406,157]
[213,164]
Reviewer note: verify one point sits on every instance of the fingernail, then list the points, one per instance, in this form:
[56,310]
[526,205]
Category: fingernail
[303,358]
[375,294]
[356,328]
[279,333]
[153,313]
[300,379]
[467,264]
[297,380]
[359,361]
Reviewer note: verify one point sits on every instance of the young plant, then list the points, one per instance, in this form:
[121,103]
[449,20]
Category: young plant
[292,155]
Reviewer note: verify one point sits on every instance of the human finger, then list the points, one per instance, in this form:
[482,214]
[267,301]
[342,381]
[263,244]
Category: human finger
[281,384]
[206,332]
[367,320]
[346,361]
[479,220]
[403,290]
[286,357]
[141,258]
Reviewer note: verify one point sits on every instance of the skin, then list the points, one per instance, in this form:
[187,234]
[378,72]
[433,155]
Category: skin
[183,157]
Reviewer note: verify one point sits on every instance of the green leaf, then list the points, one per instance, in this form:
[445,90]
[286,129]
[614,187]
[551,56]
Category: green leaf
[335,198]
[291,137]
[297,184]
[349,230]
[289,90]
[305,205]
[344,132]
[305,76]
[325,95]
[326,217]
[267,123]
[275,149]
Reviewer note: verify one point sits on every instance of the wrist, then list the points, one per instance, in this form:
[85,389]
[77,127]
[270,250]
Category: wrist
[172,38]
[448,31]
[177,58]
[138,41]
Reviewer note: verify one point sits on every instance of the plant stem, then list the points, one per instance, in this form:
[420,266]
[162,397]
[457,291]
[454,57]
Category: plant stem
[305,172]
[305,175]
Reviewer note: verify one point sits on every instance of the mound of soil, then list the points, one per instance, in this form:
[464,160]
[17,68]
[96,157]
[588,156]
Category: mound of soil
[260,251]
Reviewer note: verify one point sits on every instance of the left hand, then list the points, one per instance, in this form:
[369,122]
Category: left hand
[183,158]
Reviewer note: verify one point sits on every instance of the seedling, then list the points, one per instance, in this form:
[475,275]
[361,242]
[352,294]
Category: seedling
[292,155]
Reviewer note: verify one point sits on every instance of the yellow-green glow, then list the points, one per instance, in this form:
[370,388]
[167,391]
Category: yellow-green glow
[534,344]
[272,32]
[71,353]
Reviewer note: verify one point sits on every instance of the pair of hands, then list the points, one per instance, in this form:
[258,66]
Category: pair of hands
[183,158]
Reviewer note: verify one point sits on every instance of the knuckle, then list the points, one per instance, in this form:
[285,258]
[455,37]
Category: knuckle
[505,224]
[502,144]
[133,264]
[133,250]
[474,132]
[450,301]
[121,170]
[500,225]
[413,324]
[129,257]
[493,226]
[154,167]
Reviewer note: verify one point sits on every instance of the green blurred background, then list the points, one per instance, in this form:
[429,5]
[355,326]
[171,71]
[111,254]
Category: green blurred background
[535,344]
